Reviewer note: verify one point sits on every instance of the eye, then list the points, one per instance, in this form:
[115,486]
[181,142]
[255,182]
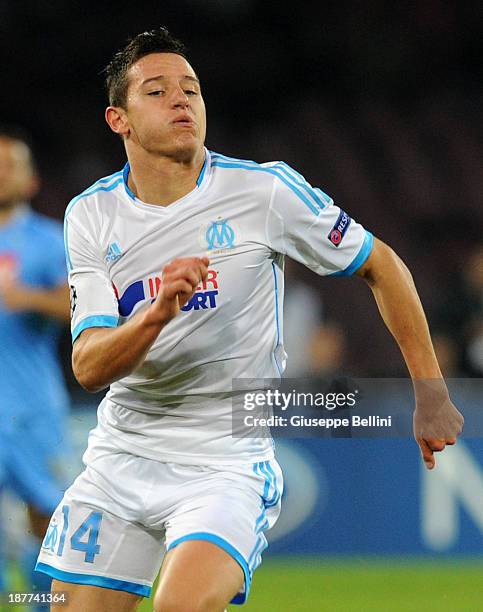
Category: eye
[190,92]
[158,92]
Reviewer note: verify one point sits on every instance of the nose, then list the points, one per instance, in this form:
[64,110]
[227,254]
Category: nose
[180,99]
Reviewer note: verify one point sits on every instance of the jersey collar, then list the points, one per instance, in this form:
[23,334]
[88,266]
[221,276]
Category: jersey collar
[200,181]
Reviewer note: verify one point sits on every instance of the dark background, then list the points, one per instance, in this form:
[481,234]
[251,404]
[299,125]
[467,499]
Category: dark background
[377,103]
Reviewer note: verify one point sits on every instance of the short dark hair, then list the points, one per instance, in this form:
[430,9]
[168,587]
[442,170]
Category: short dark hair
[154,41]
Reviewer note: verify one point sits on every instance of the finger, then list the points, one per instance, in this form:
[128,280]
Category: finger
[427,454]
[436,444]
[172,289]
[192,276]
[203,268]
[186,273]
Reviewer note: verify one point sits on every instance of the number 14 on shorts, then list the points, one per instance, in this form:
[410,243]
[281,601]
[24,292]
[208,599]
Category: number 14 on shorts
[84,537]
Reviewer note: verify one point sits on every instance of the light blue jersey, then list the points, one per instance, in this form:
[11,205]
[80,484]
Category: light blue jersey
[33,398]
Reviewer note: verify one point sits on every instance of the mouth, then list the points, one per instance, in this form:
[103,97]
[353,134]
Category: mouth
[183,120]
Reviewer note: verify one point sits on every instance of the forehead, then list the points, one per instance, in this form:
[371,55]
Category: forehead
[14,151]
[155,64]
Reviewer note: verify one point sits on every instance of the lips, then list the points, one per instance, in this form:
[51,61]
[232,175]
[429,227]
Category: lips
[183,119]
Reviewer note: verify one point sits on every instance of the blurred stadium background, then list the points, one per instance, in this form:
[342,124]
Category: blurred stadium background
[379,104]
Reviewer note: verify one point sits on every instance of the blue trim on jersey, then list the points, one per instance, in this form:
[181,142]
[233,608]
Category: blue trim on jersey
[127,169]
[315,193]
[324,196]
[360,258]
[232,159]
[276,172]
[97,186]
[94,321]
[90,579]
[239,598]
[66,247]
[125,175]
[300,180]
[276,318]
[199,180]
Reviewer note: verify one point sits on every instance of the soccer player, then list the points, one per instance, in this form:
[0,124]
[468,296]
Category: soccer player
[34,302]
[175,264]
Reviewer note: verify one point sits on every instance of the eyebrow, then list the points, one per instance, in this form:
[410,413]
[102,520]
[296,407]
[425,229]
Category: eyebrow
[161,77]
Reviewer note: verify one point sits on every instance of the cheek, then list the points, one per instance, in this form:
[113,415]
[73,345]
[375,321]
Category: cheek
[202,119]
[18,186]
[9,189]
[9,181]
[7,171]
[145,125]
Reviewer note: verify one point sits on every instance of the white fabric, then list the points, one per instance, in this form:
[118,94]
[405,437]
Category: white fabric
[244,216]
[141,504]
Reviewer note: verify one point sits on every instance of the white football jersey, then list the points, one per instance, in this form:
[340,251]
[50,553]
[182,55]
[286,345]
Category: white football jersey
[245,217]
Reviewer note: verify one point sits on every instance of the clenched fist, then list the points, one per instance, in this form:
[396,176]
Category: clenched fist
[178,284]
[436,421]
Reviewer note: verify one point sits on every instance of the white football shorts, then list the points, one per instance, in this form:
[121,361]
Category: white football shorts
[110,527]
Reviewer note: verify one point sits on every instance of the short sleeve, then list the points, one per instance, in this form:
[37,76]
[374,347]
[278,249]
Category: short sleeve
[93,299]
[304,223]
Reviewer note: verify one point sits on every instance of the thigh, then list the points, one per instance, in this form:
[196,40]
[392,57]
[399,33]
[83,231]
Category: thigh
[228,508]
[92,599]
[86,544]
[213,576]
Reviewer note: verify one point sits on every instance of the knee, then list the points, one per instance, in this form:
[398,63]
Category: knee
[188,602]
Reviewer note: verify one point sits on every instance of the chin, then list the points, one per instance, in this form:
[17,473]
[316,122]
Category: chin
[185,149]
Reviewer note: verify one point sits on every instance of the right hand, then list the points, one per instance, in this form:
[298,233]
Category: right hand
[178,285]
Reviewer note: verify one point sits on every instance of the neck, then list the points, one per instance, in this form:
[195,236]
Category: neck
[7,211]
[163,180]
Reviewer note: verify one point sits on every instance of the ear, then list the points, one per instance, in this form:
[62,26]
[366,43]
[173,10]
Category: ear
[117,120]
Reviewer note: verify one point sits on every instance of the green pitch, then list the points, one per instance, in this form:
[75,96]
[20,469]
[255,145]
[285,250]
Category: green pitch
[356,585]
[364,585]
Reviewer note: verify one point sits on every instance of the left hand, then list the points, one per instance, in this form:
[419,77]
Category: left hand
[14,296]
[436,420]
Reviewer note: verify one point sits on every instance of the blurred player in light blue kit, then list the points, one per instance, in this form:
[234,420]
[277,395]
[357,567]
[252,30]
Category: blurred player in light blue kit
[34,300]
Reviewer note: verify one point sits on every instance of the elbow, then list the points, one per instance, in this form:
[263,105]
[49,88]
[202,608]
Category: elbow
[87,381]
[85,374]
[91,386]
[384,262]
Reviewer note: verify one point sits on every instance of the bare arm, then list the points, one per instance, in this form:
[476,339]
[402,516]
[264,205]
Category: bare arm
[436,421]
[47,302]
[103,355]
[400,307]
